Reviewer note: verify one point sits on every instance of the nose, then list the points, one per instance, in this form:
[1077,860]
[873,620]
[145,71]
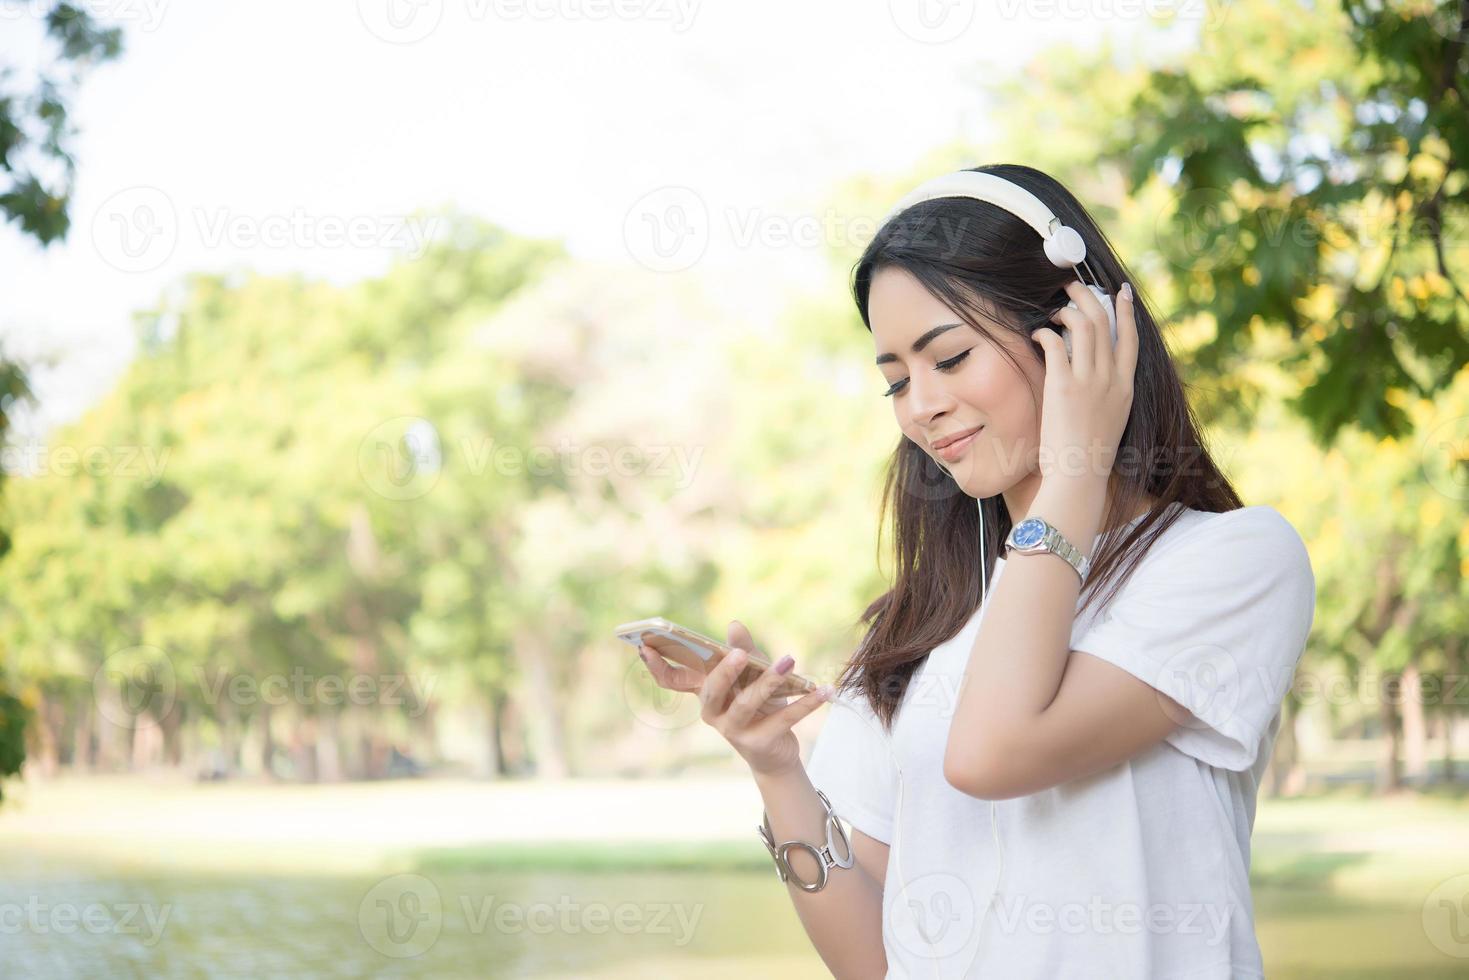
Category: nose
[928,397]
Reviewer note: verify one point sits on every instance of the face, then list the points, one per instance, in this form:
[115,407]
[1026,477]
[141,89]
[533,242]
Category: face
[959,380]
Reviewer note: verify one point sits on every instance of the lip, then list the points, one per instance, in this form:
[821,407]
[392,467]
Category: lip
[941,443]
[952,447]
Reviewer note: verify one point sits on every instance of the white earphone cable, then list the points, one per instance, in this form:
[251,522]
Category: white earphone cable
[895,850]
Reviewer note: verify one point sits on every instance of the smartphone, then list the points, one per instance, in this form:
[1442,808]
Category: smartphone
[698,652]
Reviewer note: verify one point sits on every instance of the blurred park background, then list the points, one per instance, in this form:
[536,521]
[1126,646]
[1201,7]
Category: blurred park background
[362,366]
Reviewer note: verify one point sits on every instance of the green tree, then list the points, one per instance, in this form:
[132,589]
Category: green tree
[1328,203]
[37,173]
[37,170]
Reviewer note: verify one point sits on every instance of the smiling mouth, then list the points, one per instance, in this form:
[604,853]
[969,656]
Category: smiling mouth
[958,447]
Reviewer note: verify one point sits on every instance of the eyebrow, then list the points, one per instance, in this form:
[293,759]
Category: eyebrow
[921,342]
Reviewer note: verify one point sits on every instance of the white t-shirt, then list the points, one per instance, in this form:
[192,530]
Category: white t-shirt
[1139,871]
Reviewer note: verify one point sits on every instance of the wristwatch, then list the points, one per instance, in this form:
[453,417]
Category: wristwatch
[1033,536]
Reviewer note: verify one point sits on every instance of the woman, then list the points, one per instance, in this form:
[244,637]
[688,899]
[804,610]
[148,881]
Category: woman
[1057,734]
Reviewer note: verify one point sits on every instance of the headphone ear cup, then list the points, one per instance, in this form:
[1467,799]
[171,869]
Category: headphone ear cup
[1065,248]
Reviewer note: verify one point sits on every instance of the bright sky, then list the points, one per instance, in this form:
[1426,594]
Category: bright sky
[299,135]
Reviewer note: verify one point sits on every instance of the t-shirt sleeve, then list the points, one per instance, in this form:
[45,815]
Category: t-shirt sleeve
[1216,620]
[851,763]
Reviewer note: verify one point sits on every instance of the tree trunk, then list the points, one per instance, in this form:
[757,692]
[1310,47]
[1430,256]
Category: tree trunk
[1287,776]
[1389,775]
[1415,726]
[303,749]
[171,724]
[328,751]
[1449,703]
[229,737]
[46,750]
[85,755]
[543,714]
[499,765]
[267,743]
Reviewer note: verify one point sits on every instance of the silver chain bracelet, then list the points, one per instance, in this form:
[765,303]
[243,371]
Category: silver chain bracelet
[825,856]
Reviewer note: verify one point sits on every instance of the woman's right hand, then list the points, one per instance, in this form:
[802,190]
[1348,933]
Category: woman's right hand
[753,720]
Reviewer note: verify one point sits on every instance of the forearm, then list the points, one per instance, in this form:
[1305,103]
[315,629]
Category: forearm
[843,919]
[1019,655]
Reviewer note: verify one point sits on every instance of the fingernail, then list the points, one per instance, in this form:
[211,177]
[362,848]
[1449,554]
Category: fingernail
[826,692]
[784,664]
[1127,291]
[737,655]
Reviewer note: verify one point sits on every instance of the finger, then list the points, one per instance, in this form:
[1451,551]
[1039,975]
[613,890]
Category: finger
[1053,348]
[1073,321]
[1082,322]
[738,636]
[784,719]
[1106,355]
[1127,341]
[673,677]
[756,695]
[714,695]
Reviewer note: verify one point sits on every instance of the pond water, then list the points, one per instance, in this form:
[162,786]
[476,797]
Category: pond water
[62,918]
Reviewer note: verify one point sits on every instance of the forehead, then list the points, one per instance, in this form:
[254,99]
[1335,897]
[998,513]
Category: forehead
[898,301]
[901,311]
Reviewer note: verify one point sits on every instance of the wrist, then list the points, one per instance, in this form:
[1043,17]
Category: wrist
[779,776]
[1074,506]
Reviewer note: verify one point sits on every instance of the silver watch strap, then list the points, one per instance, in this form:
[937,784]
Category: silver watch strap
[1057,544]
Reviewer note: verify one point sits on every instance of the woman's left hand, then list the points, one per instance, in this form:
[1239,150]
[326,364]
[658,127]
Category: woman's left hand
[1086,401]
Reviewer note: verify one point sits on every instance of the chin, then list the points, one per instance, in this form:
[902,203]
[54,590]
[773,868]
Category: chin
[974,485]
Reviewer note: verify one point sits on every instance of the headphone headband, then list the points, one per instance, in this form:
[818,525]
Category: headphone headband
[1063,245]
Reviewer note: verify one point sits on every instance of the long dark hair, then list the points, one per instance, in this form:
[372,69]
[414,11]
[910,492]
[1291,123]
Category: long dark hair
[961,250]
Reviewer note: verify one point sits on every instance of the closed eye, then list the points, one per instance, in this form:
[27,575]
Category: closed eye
[948,365]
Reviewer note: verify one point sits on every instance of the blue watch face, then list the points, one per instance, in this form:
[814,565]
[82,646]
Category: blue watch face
[1029,532]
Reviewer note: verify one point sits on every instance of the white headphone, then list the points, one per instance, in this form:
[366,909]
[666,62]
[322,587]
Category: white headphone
[1063,244]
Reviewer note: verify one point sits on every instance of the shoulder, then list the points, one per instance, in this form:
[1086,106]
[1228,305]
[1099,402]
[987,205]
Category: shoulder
[1245,542]
[1260,529]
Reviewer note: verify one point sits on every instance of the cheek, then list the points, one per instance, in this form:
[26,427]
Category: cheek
[1004,396]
